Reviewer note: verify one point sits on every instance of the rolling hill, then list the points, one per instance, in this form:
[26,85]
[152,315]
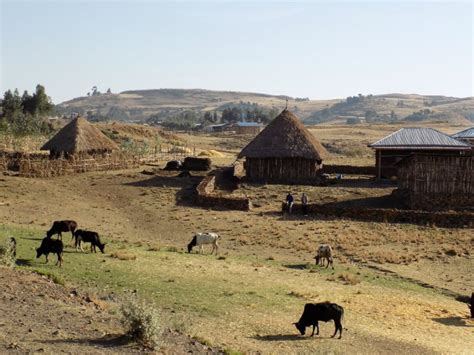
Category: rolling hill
[163,104]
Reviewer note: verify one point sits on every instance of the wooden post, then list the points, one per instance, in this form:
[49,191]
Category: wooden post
[378,155]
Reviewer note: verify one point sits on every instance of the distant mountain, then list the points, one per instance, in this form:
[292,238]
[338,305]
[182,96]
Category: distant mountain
[163,104]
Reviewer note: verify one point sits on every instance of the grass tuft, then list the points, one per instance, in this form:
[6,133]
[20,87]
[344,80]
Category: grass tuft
[7,253]
[142,322]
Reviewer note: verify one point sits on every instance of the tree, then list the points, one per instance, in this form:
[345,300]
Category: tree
[28,103]
[11,103]
[42,102]
[109,91]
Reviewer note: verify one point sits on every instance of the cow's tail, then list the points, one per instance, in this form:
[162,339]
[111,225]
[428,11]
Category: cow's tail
[342,318]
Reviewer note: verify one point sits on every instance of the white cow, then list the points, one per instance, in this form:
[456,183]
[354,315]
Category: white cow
[324,252]
[204,238]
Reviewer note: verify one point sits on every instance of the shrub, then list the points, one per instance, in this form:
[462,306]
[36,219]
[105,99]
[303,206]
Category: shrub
[142,322]
[7,253]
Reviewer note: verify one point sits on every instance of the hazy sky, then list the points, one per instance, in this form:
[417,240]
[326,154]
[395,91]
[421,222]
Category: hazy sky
[307,49]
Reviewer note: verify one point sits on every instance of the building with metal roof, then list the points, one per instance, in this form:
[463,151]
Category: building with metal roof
[466,136]
[249,127]
[406,141]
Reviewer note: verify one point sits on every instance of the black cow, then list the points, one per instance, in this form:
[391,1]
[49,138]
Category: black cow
[49,245]
[88,237]
[314,312]
[62,226]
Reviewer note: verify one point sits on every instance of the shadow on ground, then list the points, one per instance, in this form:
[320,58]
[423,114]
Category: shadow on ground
[280,337]
[107,341]
[453,321]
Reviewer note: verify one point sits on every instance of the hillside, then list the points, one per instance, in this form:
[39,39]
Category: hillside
[162,104]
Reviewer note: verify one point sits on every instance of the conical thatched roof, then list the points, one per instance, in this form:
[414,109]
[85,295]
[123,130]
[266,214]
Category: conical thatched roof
[285,137]
[79,136]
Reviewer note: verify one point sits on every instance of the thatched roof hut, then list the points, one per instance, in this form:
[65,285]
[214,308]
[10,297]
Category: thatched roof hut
[79,137]
[285,151]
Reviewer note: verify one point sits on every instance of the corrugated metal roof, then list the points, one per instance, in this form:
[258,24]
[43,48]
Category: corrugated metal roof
[467,133]
[248,124]
[422,138]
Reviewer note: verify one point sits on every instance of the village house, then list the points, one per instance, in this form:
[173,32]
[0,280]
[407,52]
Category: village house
[284,152]
[436,182]
[407,141]
[249,127]
[79,137]
[466,136]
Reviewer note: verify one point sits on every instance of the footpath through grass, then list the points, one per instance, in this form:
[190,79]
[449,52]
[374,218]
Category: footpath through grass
[249,304]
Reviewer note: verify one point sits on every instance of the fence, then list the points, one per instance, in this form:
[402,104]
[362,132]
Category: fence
[45,167]
[349,170]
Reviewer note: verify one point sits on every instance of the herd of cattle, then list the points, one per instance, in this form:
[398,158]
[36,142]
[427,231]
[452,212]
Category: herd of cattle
[55,246]
[312,314]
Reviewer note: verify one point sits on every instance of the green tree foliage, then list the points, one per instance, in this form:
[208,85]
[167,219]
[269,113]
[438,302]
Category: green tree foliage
[24,115]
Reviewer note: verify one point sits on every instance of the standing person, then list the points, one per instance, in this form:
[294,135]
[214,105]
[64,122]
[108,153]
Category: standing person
[289,201]
[304,203]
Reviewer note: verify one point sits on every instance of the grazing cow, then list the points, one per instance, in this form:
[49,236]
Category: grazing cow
[62,226]
[49,245]
[204,238]
[315,312]
[324,252]
[88,237]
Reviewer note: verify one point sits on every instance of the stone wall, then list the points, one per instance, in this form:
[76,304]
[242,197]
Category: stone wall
[449,219]
[207,197]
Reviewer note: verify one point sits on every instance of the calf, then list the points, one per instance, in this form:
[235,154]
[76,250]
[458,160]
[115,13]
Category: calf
[88,237]
[315,312]
[49,245]
[62,226]
[204,238]
[324,252]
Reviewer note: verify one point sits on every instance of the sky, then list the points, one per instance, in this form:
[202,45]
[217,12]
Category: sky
[315,49]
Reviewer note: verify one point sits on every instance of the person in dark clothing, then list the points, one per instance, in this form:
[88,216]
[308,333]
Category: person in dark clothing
[289,201]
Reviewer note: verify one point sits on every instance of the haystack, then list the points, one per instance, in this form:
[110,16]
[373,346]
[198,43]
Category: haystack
[285,151]
[77,138]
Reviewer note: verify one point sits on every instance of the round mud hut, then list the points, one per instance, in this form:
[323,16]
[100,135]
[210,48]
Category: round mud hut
[79,137]
[284,152]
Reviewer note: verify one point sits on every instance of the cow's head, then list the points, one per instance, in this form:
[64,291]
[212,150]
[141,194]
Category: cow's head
[300,327]
[317,259]
[101,247]
[39,252]
[190,247]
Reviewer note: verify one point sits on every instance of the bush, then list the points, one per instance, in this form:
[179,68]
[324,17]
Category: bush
[142,321]
[7,253]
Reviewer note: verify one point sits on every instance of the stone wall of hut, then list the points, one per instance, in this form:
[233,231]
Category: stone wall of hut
[437,182]
[282,170]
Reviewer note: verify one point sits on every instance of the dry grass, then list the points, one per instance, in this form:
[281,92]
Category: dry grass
[120,255]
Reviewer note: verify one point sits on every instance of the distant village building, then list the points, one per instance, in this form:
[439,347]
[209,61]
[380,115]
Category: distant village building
[79,137]
[221,127]
[466,136]
[249,127]
[284,152]
[407,141]
[436,182]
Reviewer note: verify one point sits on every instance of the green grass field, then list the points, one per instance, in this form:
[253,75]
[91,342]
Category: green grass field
[240,303]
